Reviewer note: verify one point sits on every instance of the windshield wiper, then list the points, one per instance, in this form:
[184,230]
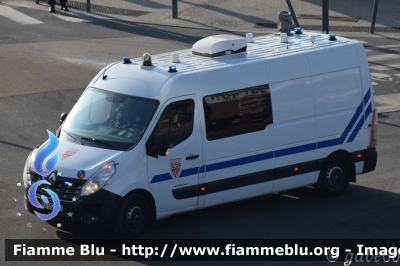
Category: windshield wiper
[99,141]
[72,136]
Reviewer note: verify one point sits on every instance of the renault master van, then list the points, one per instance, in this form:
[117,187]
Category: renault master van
[232,118]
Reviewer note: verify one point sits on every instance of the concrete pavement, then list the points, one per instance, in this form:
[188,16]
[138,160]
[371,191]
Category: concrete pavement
[239,15]
[256,16]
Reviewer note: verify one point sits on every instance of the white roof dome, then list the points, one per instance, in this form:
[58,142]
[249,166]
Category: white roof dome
[219,45]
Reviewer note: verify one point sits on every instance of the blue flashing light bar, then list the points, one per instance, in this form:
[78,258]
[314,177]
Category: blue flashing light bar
[172,69]
[127,60]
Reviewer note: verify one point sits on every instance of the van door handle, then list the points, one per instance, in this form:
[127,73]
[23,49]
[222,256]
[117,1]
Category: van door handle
[191,157]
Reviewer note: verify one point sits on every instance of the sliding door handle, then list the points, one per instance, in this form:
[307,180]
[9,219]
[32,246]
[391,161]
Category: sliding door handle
[191,157]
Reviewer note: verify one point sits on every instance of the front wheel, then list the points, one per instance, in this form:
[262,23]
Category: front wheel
[133,217]
[334,176]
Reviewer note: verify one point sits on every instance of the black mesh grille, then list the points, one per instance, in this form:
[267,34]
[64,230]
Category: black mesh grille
[63,215]
[64,192]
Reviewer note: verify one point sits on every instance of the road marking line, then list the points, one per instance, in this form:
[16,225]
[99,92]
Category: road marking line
[17,16]
[373,48]
[70,19]
[386,67]
[381,57]
[380,75]
[359,41]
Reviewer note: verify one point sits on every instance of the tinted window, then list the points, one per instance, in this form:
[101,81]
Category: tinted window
[237,112]
[176,122]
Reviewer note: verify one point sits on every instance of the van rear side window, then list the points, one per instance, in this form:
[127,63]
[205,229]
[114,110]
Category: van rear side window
[237,112]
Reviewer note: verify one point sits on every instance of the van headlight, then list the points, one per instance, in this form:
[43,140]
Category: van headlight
[99,179]
[26,175]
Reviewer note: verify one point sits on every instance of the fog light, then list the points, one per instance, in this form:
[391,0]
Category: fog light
[89,219]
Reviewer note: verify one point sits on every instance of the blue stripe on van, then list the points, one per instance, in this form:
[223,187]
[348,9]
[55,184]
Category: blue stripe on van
[367,96]
[368,111]
[162,177]
[352,122]
[341,139]
[240,161]
[294,150]
[329,143]
[283,152]
[360,123]
[190,171]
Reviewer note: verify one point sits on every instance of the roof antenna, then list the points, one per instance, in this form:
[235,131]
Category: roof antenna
[104,73]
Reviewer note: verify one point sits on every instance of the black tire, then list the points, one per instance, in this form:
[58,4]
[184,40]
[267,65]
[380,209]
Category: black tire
[334,176]
[132,217]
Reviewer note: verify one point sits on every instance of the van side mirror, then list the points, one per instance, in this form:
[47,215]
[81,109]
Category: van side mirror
[157,145]
[62,117]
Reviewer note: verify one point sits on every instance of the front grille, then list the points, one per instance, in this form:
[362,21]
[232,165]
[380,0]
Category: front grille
[64,192]
[63,215]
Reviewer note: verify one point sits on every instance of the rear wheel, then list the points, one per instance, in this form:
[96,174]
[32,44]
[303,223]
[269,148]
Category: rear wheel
[334,176]
[133,216]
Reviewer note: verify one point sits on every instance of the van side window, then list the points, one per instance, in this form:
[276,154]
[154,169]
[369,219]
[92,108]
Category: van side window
[237,112]
[176,122]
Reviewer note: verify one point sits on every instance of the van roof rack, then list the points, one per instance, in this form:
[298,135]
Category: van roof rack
[262,47]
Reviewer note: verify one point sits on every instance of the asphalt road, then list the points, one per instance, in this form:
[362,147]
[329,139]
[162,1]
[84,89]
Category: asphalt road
[45,67]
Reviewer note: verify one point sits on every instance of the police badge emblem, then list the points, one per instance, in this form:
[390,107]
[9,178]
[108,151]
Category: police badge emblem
[176,166]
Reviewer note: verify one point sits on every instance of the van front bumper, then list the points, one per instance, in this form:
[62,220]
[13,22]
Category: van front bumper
[98,208]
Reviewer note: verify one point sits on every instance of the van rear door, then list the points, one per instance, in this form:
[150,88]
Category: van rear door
[177,140]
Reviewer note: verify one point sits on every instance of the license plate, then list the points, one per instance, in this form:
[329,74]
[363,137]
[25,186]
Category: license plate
[50,206]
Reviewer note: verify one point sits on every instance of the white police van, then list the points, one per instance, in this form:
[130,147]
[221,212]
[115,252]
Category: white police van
[229,119]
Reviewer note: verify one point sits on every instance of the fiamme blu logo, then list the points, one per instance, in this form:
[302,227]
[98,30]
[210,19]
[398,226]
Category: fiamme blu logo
[44,169]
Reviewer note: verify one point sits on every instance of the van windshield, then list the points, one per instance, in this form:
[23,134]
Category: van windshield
[108,120]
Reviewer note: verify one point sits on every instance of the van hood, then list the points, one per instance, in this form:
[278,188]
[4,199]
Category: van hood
[78,161]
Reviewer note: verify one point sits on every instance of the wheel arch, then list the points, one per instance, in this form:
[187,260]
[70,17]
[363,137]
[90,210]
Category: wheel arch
[150,200]
[349,158]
